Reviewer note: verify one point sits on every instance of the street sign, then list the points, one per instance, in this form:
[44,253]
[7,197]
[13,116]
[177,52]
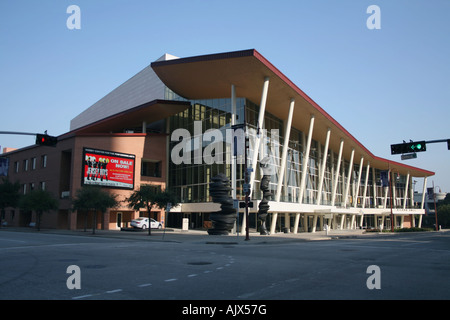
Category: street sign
[409,156]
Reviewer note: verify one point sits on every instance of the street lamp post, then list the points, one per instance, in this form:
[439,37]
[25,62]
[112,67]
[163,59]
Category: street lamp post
[435,208]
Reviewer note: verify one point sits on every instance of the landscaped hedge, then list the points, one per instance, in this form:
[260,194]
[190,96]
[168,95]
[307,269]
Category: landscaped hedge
[415,229]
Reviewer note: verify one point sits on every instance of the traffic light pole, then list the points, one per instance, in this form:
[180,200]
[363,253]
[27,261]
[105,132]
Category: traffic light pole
[19,133]
[246,184]
[41,138]
[391,195]
[247,193]
[437,141]
[435,209]
[417,146]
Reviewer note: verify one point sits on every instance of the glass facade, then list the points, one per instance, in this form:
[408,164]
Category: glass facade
[190,179]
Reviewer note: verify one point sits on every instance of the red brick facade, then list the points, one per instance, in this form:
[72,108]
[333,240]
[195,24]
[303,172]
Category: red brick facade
[59,170]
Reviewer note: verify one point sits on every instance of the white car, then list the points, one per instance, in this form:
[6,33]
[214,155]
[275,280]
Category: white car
[142,223]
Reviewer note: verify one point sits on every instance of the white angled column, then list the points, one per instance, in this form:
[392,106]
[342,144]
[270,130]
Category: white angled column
[405,192]
[233,157]
[374,188]
[423,191]
[394,190]
[423,200]
[366,183]
[336,175]
[287,134]
[306,159]
[304,171]
[363,205]
[285,149]
[350,171]
[386,191]
[358,184]
[322,169]
[262,110]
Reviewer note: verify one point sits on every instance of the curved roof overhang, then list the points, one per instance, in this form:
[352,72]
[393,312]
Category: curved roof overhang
[148,112]
[211,76]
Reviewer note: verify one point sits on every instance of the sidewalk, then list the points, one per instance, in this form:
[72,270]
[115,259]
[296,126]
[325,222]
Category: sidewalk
[202,236]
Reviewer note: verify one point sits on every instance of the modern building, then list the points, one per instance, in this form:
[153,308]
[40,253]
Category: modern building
[430,200]
[175,123]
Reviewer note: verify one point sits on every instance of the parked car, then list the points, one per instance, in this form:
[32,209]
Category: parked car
[142,223]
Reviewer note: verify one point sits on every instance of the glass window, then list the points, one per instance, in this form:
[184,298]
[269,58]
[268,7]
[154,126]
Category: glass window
[44,161]
[151,168]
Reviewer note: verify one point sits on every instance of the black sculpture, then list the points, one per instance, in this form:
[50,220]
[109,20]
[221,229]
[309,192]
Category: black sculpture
[263,207]
[223,220]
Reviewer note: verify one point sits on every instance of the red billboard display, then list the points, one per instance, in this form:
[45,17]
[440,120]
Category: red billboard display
[108,168]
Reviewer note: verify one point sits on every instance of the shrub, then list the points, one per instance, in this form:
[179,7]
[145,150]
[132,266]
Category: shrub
[414,229]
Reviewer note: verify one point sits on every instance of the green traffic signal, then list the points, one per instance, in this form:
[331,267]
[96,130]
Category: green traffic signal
[407,147]
[415,147]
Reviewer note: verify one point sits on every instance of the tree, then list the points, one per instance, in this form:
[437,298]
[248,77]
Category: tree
[444,215]
[446,199]
[9,196]
[145,197]
[93,198]
[40,201]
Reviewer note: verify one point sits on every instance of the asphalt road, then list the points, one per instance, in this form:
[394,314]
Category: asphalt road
[410,266]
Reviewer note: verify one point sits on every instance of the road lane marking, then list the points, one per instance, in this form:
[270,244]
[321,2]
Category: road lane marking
[114,291]
[82,297]
[144,285]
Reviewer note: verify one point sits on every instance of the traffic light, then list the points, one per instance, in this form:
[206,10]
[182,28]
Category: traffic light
[46,140]
[408,147]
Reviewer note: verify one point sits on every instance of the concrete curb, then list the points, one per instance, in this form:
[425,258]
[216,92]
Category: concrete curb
[201,237]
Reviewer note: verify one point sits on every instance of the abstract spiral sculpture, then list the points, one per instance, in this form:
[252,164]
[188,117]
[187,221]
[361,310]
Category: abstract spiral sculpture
[223,220]
[263,207]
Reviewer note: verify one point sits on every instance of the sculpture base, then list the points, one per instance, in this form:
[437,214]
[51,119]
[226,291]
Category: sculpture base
[215,232]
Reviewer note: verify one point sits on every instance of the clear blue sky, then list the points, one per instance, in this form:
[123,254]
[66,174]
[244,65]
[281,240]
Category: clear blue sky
[384,86]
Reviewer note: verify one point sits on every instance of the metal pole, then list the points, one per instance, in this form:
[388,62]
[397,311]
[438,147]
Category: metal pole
[436,141]
[19,133]
[247,193]
[390,191]
[246,178]
[435,208]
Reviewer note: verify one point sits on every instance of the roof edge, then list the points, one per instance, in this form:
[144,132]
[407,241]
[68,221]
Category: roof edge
[254,53]
[206,57]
